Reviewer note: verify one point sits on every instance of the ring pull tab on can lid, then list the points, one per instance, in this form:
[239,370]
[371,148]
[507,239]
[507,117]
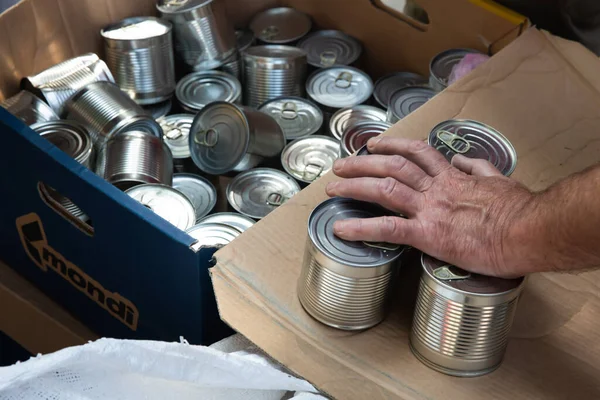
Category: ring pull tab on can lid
[207,138]
[289,110]
[276,199]
[343,80]
[270,32]
[328,58]
[312,171]
[454,142]
[172,131]
[382,246]
[451,273]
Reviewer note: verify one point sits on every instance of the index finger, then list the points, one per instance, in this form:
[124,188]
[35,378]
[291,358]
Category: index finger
[429,159]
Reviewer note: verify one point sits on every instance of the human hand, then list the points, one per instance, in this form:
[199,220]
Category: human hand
[462,213]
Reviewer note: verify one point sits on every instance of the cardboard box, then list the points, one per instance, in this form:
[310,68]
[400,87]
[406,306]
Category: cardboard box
[135,276]
[543,93]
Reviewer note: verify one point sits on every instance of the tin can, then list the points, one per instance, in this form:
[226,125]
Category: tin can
[387,85]
[257,192]
[363,151]
[199,191]
[462,320]
[297,117]
[235,220]
[349,116]
[328,48]
[407,100]
[474,139]
[133,158]
[203,34]
[346,285]
[356,136]
[70,137]
[159,110]
[441,66]
[281,25]
[210,234]
[196,90]
[29,108]
[58,83]
[309,158]
[225,137]
[176,130]
[139,53]
[233,65]
[107,111]
[273,71]
[338,87]
[168,203]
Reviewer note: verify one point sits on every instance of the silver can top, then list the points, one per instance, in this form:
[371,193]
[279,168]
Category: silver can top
[474,139]
[297,117]
[180,6]
[307,159]
[244,39]
[238,221]
[168,203]
[270,54]
[29,108]
[257,192]
[158,110]
[136,28]
[329,48]
[339,87]
[387,85]
[194,91]
[356,136]
[354,254]
[459,280]
[407,100]
[212,235]
[198,190]
[176,130]
[441,65]
[69,136]
[280,25]
[349,116]
[219,138]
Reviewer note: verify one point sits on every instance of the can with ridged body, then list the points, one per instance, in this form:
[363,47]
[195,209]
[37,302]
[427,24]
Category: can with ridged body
[233,65]
[29,108]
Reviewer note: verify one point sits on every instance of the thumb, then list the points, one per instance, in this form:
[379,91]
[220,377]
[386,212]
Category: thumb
[474,166]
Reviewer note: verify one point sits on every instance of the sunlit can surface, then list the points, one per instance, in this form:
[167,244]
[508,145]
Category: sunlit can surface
[29,108]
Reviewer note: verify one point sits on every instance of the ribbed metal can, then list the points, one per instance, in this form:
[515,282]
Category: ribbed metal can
[139,53]
[406,100]
[133,158]
[203,34]
[196,90]
[328,48]
[357,136]
[349,116]
[280,25]
[441,66]
[273,71]
[107,111]
[462,320]
[346,285]
[29,108]
[58,83]
[233,65]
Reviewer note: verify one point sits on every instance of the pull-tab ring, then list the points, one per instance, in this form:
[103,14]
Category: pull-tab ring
[276,199]
[451,273]
[382,246]
[344,80]
[312,172]
[289,110]
[270,32]
[207,138]
[173,131]
[454,142]
[328,58]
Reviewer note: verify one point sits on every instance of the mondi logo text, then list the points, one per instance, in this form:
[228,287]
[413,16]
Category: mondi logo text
[44,256]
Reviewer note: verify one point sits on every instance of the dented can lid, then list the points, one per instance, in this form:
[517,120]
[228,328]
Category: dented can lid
[238,221]
[387,85]
[297,117]
[306,159]
[244,39]
[212,235]
[330,47]
[168,203]
[194,91]
[407,100]
[356,136]
[339,87]
[474,139]
[176,130]
[441,66]
[349,116]
[257,192]
[198,190]
[354,254]
[69,136]
[280,25]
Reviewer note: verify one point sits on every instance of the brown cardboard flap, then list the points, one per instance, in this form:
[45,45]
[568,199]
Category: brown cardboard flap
[543,93]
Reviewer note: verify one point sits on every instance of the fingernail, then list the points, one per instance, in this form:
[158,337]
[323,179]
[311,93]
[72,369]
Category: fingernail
[373,142]
[338,165]
[331,187]
[339,227]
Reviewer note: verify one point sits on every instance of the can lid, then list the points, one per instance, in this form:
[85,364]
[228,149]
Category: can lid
[474,139]
[168,203]
[212,235]
[244,39]
[339,87]
[355,254]
[297,117]
[194,91]
[198,190]
[280,25]
[356,136]
[179,6]
[387,85]
[330,47]
[238,221]
[257,192]
[219,138]
[441,65]
[273,53]
[158,110]
[69,136]
[349,116]
[306,159]
[407,100]
[176,130]
[456,278]
[136,28]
